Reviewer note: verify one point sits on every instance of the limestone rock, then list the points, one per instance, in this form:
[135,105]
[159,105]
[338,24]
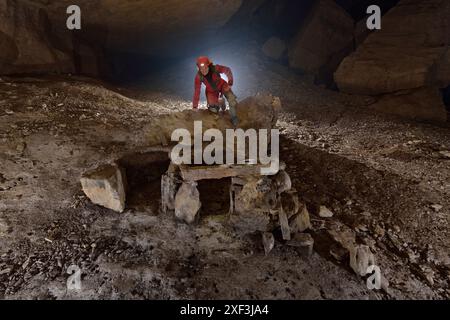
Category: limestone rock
[408,52]
[253,205]
[106,186]
[361,258]
[187,202]
[290,203]
[25,45]
[257,112]
[283,181]
[373,71]
[257,195]
[284,224]
[324,212]
[169,187]
[324,40]
[268,242]
[274,48]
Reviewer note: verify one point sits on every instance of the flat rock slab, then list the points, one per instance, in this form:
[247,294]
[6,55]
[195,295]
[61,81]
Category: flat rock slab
[195,173]
[106,186]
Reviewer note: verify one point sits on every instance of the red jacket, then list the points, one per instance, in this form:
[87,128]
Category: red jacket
[217,82]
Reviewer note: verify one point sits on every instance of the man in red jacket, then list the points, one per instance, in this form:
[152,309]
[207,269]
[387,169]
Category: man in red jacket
[216,87]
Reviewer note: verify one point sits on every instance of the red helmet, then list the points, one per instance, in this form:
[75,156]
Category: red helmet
[203,60]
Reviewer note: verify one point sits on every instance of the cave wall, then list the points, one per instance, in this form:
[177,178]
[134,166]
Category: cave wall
[117,35]
[410,55]
[35,39]
[25,41]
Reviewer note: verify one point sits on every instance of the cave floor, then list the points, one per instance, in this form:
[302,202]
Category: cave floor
[386,179]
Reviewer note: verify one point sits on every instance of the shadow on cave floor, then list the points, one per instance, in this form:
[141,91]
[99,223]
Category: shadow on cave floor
[214,196]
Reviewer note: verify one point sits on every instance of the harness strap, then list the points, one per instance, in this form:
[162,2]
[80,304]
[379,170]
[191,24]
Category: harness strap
[213,71]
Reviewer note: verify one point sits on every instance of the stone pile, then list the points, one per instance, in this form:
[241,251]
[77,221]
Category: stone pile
[258,203]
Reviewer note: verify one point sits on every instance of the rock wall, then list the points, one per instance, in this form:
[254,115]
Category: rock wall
[25,43]
[411,51]
[34,37]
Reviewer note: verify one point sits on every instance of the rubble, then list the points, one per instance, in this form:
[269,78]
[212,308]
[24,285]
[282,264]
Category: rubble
[106,186]
[360,259]
[324,212]
[400,58]
[195,173]
[256,112]
[436,207]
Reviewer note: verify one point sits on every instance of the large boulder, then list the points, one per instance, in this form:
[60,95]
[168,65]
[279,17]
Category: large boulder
[25,43]
[324,40]
[187,202]
[106,186]
[410,51]
[373,71]
[259,112]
